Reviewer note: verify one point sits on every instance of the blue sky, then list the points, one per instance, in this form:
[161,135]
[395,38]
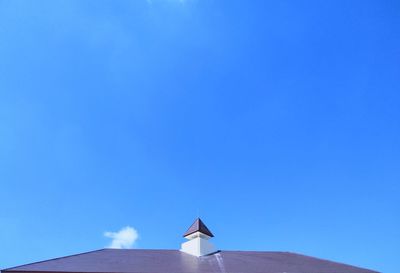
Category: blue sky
[278,122]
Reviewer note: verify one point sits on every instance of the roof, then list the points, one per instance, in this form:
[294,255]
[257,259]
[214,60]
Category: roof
[175,261]
[198,226]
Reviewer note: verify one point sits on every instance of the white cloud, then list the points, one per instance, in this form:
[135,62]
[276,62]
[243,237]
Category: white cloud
[124,238]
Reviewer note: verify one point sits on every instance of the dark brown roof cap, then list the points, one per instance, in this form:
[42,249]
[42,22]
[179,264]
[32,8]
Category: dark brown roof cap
[198,226]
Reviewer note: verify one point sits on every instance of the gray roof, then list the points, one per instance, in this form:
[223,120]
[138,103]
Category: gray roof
[175,261]
[198,225]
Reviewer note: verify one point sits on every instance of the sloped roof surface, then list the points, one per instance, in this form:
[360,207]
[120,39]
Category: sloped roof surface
[175,261]
[198,225]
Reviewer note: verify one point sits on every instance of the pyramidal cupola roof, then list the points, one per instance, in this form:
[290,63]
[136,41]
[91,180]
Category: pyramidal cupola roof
[198,226]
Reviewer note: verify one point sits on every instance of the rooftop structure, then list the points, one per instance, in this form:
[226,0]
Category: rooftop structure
[198,235]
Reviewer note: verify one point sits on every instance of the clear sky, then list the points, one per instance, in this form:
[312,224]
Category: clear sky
[278,122]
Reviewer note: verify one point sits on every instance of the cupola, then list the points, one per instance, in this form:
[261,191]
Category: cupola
[198,235]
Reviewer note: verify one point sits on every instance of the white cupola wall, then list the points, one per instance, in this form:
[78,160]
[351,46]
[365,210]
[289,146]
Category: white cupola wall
[198,235]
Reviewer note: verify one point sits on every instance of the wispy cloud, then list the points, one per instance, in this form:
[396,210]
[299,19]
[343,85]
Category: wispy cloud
[124,238]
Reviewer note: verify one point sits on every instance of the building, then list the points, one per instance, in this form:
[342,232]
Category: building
[197,255]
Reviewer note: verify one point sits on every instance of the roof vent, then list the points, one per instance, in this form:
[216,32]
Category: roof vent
[198,235]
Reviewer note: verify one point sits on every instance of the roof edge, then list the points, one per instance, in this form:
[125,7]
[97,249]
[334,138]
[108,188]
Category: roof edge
[47,260]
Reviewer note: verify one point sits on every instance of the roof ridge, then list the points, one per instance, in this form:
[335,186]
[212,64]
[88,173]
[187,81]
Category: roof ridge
[57,258]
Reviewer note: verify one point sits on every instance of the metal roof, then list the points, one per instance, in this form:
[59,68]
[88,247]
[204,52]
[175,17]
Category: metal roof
[198,225]
[175,261]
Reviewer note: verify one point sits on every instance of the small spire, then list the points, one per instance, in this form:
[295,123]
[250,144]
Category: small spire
[198,226]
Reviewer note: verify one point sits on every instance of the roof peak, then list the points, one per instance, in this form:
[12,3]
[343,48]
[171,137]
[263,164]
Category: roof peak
[198,226]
